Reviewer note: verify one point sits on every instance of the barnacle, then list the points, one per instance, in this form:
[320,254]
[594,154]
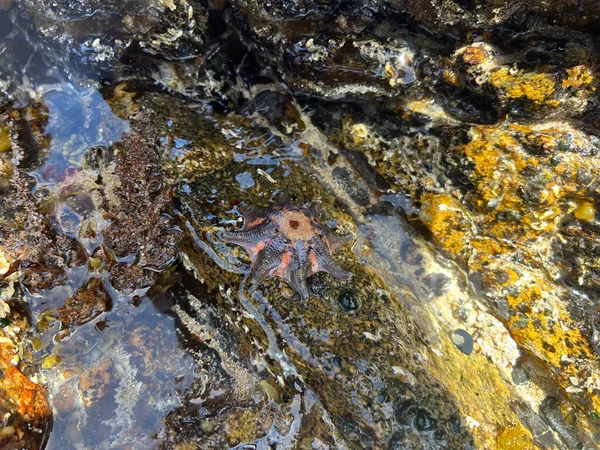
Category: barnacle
[288,242]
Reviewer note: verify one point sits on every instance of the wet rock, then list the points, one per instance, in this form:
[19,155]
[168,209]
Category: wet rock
[333,51]
[228,394]
[342,354]
[94,382]
[142,369]
[372,50]
[491,194]
[87,303]
[205,198]
[26,413]
[42,254]
[560,416]
[96,42]
[449,15]
[482,145]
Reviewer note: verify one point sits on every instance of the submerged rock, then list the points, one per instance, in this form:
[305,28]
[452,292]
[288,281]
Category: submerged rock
[94,35]
[503,201]
[87,303]
[458,143]
[308,351]
[26,412]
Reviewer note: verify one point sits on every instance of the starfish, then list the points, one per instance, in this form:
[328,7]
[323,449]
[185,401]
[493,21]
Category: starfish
[288,242]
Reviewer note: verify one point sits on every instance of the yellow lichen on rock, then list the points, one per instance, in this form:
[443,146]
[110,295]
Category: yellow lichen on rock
[442,213]
[524,179]
[515,437]
[538,87]
[495,151]
[542,323]
[578,76]
[504,166]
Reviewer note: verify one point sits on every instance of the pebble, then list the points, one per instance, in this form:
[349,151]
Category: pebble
[207,426]
[50,361]
[585,211]
[463,341]
[519,376]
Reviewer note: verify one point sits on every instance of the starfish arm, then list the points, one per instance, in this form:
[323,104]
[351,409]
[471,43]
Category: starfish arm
[326,263]
[299,269]
[297,280]
[246,237]
[253,215]
[267,261]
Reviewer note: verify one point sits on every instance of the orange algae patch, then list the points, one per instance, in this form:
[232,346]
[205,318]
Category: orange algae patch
[28,397]
[442,214]
[537,87]
[537,325]
[578,76]
[494,153]
[475,55]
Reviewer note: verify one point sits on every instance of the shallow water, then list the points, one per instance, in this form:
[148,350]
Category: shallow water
[134,150]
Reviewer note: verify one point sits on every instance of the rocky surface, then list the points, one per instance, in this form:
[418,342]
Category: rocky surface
[26,412]
[456,142]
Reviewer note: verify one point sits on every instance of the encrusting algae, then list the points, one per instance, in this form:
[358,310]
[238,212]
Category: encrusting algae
[504,209]
[537,87]
[462,164]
